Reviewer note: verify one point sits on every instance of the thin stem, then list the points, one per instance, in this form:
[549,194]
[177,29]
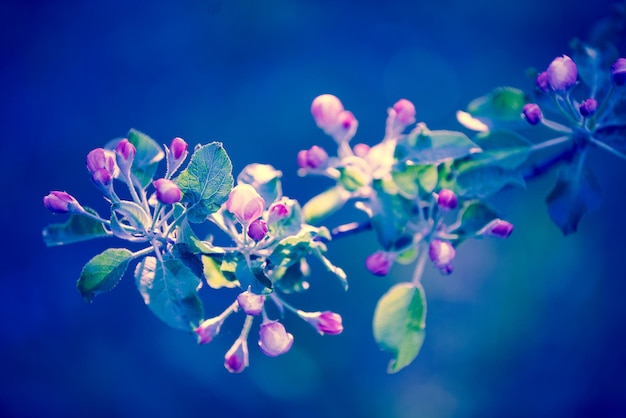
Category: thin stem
[245,330]
[94,217]
[143,252]
[421,262]
[549,143]
[607,148]
[555,126]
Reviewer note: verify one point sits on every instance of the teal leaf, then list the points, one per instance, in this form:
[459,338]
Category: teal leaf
[265,179]
[252,276]
[481,181]
[415,180]
[169,289]
[576,192]
[103,272]
[434,147]
[324,204]
[77,228]
[147,157]
[473,217]
[389,214]
[129,221]
[502,148]
[206,182]
[400,322]
[502,106]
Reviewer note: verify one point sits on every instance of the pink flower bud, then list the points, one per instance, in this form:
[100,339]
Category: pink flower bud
[379,263]
[361,150]
[103,180]
[446,199]
[542,82]
[274,339]
[326,322]
[498,228]
[257,229]
[313,158]
[532,113]
[178,148]
[208,329]
[100,158]
[405,112]
[346,127]
[277,212]
[441,253]
[61,202]
[167,192]
[125,152]
[588,107]
[325,110]
[618,71]
[562,73]
[251,303]
[245,203]
[236,359]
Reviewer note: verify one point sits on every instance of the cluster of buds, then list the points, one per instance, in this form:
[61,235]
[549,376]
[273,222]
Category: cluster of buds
[274,339]
[436,239]
[107,165]
[559,79]
[355,167]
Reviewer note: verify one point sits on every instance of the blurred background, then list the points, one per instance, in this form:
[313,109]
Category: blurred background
[528,327]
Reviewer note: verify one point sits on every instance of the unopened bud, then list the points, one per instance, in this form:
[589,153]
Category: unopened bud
[245,203]
[257,229]
[61,202]
[167,192]
[618,71]
[274,339]
[236,359]
[588,107]
[251,303]
[441,253]
[562,74]
[532,113]
[326,322]
[446,199]
[379,263]
[325,110]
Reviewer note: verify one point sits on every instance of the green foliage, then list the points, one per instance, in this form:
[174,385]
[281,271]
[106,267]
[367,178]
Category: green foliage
[169,288]
[390,214]
[399,323]
[423,146]
[103,272]
[500,107]
[77,228]
[576,192]
[129,221]
[473,216]
[147,158]
[206,182]
[325,204]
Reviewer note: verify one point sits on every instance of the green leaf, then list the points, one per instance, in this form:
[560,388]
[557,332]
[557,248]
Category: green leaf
[473,217]
[502,106]
[169,289]
[77,228]
[502,148]
[147,157]
[214,276]
[434,147]
[292,278]
[325,204]
[265,179]
[133,223]
[576,192]
[413,180]
[399,323]
[481,181]
[390,214]
[103,272]
[206,182]
[252,276]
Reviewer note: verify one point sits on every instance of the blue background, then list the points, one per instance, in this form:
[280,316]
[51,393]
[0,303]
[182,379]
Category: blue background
[528,327]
